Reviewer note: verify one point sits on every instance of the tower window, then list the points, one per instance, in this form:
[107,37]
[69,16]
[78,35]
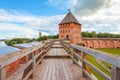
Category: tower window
[68,24]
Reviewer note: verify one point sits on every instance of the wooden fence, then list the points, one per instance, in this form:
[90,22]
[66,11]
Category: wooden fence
[20,65]
[81,54]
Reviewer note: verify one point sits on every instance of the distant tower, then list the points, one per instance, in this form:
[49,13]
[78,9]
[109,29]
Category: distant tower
[40,34]
[70,28]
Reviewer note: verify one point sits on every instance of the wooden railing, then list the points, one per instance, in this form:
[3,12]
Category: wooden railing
[20,65]
[80,56]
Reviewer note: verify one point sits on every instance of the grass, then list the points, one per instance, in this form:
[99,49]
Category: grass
[111,51]
[94,62]
[97,75]
[106,64]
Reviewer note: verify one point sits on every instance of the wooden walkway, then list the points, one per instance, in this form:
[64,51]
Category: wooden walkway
[57,69]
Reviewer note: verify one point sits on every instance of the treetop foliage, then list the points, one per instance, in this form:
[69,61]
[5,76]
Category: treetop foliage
[26,40]
[86,34]
[93,34]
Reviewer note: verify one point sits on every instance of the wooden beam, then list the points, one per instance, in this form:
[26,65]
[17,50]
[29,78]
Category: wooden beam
[91,66]
[7,59]
[56,57]
[106,77]
[2,73]
[100,55]
[115,73]
[84,65]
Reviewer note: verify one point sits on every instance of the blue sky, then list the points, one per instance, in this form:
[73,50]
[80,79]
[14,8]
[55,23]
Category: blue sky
[35,7]
[24,18]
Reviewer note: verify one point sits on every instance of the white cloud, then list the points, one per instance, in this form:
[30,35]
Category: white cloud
[101,18]
[87,7]
[94,15]
[27,25]
[15,30]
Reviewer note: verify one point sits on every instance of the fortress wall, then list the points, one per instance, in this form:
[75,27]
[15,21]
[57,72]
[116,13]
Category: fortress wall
[14,61]
[101,43]
[117,44]
[70,29]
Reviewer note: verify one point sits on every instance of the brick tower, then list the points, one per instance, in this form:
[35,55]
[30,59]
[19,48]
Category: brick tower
[70,29]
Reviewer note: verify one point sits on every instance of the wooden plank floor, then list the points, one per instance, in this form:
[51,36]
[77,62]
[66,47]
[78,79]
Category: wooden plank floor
[57,69]
[57,46]
[57,52]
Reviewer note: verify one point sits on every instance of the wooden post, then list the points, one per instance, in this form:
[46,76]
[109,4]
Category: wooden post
[78,52]
[71,49]
[74,56]
[34,60]
[85,66]
[115,73]
[2,73]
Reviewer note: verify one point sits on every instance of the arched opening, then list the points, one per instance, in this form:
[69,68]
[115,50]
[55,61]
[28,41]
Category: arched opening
[86,44]
[67,37]
[118,47]
[81,44]
[91,47]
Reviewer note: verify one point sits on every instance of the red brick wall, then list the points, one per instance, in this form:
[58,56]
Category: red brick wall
[13,67]
[98,43]
[72,30]
[36,52]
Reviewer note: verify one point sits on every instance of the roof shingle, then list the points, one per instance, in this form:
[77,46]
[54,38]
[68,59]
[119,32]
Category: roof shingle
[69,18]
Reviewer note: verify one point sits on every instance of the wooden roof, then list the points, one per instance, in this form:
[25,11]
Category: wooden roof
[69,18]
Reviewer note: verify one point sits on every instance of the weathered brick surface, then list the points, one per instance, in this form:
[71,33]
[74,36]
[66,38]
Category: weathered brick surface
[36,52]
[98,43]
[13,67]
[70,31]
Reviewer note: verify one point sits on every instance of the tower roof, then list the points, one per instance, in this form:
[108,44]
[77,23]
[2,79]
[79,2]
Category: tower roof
[69,18]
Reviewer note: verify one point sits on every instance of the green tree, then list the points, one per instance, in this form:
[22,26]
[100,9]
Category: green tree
[17,41]
[93,34]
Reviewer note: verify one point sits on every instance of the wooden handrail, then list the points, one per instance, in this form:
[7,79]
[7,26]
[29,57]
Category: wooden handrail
[92,66]
[114,61]
[27,68]
[100,55]
[24,69]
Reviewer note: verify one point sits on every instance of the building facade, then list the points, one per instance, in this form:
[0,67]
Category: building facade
[70,29]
